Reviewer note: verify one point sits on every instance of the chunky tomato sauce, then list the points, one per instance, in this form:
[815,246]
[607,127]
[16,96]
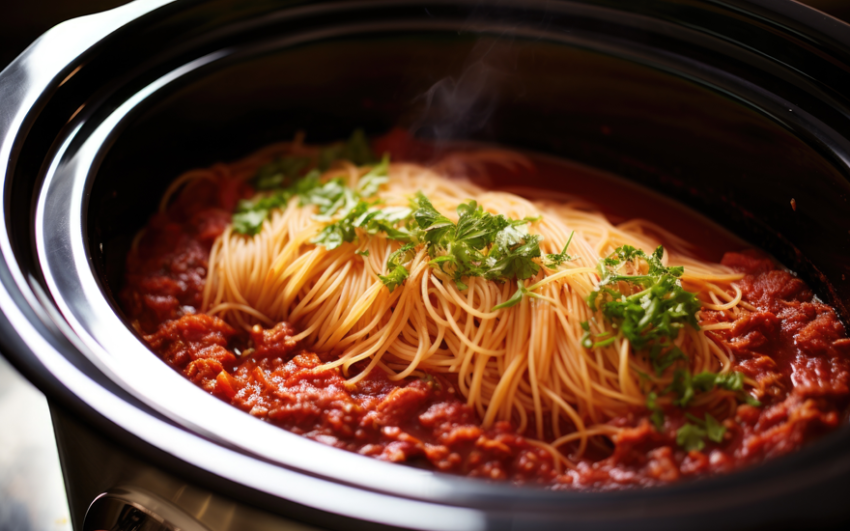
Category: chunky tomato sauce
[794,347]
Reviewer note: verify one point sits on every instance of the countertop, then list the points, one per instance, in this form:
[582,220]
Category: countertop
[32,493]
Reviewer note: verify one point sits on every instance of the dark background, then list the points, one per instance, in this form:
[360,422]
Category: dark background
[21,21]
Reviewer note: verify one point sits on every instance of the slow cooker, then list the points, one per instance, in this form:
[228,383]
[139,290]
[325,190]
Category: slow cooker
[731,107]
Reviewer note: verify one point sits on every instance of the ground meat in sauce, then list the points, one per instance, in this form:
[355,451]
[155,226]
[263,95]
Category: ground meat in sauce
[794,346]
[418,421]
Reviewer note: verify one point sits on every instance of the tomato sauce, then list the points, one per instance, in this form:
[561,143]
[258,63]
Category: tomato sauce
[793,346]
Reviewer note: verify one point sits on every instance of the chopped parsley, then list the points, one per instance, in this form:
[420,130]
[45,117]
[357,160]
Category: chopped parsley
[685,386]
[480,244]
[279,173]
[748,399]
[357,212]
[431,381]
[290,176]
[396,272]
[691,436]
[555,260]
[662,358]
[250,221]
[657,312]
[251,213]
[369,219]
[656,413]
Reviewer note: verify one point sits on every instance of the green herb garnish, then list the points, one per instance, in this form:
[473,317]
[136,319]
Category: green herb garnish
[251,213]
[249,222]
[371,220]
[480,244]
[429,379]
[332,199]
[657,312]
[656,413]
[691,436]
[650,310]
[336,199]
[749,400]
[282,179]
[279,173]
[396,272]
[586,340]
[516,297]
[554,260]
[662,359]
[685,386]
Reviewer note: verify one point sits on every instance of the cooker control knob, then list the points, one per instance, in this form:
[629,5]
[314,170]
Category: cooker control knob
[133,519]
[132,509]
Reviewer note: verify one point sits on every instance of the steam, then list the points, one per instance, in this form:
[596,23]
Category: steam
[456,108]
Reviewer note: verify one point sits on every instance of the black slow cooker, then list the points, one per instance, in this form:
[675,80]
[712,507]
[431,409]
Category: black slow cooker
[732,107]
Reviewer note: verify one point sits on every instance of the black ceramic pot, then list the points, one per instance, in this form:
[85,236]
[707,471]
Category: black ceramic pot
[731,107]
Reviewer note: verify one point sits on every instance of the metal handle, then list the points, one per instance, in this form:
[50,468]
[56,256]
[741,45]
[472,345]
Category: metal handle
[131,509]
[133,519]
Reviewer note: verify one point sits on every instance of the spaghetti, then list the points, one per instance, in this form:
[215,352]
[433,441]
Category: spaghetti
[534,363]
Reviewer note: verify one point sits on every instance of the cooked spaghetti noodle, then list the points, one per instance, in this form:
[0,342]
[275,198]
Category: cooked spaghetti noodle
[527,363]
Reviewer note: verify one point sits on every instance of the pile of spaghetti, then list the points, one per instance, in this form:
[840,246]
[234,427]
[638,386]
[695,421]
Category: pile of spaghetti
[542,314]
[516,329]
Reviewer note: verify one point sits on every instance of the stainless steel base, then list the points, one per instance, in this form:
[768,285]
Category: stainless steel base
[109,489]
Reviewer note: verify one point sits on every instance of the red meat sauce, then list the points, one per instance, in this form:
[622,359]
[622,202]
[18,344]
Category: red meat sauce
[794,346]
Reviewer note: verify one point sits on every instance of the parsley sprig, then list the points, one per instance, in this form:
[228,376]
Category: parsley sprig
[555,260]
[691,436]
[354,210]
[480,244]
[397,273]
[515,299]
[656,413]
[684,389]
[280,172]
[685,386]
[251,213]
[286,177]
[654,315]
